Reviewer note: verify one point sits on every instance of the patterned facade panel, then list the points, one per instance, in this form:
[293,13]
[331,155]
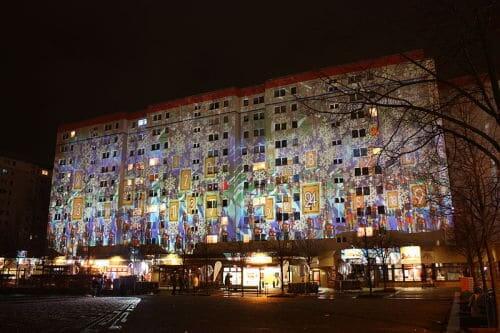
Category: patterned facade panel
[235,169]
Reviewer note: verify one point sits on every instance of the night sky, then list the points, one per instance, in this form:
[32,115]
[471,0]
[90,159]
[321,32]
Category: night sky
[72,60]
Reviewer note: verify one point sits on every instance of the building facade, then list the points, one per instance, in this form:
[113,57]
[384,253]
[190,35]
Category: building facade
[295,157]
[24,200]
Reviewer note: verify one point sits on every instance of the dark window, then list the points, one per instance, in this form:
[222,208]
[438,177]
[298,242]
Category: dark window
[380,189]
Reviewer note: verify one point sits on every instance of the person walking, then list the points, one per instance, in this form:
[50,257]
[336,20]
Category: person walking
[174,283]
[227,281]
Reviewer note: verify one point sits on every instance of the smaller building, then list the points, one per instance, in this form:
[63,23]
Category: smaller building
[24,203]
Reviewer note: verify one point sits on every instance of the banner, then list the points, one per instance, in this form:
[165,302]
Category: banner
[185,181]
[287,204]
[78,180]
[359,201]
[269,209]
[311,159]
[418,196]
[392,199]
[173,211]
[310,198]
[107,210]
[175,161]
[77,212]
[191,204]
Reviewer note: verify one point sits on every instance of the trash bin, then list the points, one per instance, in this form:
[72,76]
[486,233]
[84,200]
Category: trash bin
[466,284]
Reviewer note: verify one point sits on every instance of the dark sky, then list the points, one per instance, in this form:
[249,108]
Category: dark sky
[72,60]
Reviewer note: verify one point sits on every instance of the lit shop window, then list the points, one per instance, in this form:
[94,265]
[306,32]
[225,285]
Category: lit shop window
[72,134]
[142,122]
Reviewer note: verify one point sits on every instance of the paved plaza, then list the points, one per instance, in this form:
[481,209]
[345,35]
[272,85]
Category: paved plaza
[414,310]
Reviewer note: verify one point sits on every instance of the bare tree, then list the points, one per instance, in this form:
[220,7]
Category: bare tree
[307,248]
[282,250]
[383,245]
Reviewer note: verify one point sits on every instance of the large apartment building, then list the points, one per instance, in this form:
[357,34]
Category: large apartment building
[295,157]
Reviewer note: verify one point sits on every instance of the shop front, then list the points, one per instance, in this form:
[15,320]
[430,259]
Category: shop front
[260,272]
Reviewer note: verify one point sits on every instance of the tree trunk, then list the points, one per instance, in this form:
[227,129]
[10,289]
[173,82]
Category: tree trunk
[492,270]
[282,276]
[384,275]
[241,272]
[481,269]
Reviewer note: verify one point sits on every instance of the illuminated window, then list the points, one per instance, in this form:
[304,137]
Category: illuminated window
[373,111]
[72,134]
[257,166]
[130,166]
[376,151]
[142,122]
[45,172]
[154,161]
